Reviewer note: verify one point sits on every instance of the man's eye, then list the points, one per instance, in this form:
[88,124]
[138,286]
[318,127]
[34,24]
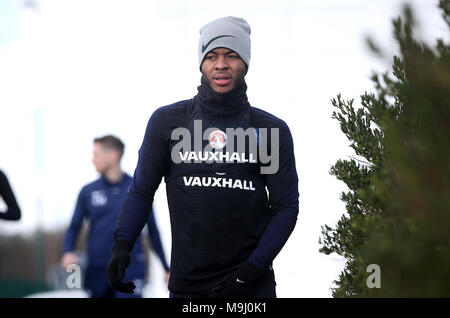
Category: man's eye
[232,56]
[210,57]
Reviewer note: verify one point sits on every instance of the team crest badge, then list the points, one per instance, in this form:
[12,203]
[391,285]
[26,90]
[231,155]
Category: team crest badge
[217,139]
[98,198]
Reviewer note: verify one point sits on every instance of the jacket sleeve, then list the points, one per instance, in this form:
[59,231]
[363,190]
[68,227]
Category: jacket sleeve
[283,199]
[79,214]
[151,167]
[13,211]
[155,239]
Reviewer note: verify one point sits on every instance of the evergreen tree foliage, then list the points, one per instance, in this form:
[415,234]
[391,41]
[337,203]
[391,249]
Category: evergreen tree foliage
[398,198]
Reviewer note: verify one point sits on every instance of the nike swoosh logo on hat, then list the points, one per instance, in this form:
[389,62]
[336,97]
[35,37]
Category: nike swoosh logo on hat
[213,39]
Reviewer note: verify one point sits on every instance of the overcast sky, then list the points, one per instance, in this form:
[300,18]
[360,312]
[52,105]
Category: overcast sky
[71,70]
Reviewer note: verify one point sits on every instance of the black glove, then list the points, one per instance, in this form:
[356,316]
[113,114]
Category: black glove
[243,282]
[119,262]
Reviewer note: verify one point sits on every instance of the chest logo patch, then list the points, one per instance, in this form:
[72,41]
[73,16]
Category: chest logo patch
[217,139]
[98,198]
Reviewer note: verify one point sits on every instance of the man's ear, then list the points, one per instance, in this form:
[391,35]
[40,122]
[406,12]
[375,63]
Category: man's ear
[246,67]
[116,156]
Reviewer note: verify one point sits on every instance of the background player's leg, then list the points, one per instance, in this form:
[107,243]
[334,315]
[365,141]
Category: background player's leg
[96,284]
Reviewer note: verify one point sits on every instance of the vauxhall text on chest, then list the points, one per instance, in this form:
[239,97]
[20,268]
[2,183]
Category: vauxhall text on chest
[235,145]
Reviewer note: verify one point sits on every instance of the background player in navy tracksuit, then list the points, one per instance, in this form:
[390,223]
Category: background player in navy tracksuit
[12,212]
[100,202]
[226,229]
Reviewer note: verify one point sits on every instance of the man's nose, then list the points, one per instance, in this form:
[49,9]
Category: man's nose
[221,63]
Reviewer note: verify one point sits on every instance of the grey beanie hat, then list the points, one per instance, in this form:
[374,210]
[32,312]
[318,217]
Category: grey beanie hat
[228,32]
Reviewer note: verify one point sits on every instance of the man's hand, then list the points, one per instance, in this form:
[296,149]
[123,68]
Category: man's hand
[117,266]
[243,283]
[68,258]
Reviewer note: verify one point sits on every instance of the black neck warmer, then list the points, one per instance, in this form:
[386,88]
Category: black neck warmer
[222,105]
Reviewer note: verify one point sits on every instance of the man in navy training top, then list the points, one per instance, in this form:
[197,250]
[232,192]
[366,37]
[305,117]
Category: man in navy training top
[100,202]
[231,210]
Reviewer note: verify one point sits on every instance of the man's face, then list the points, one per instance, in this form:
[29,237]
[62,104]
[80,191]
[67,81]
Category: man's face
[223,69]
[103,158]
